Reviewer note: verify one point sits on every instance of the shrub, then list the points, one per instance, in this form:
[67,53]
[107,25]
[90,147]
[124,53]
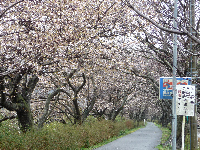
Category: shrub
[129,124]
[63,136]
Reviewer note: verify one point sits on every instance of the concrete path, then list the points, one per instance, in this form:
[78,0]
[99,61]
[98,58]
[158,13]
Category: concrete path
[143,139]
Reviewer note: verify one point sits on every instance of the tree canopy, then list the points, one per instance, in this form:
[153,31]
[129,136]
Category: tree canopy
[68,59]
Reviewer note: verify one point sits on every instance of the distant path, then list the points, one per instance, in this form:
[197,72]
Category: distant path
[143,139]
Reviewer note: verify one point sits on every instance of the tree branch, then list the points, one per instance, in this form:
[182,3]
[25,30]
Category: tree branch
[91,105]
[191,36]
[84,81]
[4,11]
[67,107]
[184,32]
[46,108]
[68,77]
[65,113]
[153,22]
[135,72]
[6,118]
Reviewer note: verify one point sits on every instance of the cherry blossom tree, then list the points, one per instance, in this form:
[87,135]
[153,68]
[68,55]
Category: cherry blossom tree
[38,47]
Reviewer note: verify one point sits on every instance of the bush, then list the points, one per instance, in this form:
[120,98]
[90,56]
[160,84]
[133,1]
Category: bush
[63,136]
[129,124]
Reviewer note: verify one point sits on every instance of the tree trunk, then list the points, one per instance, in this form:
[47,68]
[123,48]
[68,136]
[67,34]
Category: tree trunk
[19,100]
[24,114]
[93,100]
[25,119]
[46,113]
[77,114]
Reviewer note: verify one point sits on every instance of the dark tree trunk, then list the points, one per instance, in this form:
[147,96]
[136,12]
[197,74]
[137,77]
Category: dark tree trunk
[24,114]
[19,99]
[77,113]
[25,119]
[115,111]
[99,114]
[90,106]
[76,90]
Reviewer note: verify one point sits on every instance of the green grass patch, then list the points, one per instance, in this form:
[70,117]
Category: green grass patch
[166,132]
[121,134]
[65,136]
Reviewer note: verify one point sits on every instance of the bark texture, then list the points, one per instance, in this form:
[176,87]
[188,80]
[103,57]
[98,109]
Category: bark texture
[18,96]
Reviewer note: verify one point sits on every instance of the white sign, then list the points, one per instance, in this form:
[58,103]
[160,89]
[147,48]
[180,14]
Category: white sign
[185,100]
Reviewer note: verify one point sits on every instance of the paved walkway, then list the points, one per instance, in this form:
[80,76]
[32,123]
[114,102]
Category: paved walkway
[143,139]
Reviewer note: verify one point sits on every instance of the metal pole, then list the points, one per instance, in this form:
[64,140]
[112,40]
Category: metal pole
[174,119]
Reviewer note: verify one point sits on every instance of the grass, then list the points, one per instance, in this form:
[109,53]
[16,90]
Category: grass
[166,132]
[65,136]
[126,132]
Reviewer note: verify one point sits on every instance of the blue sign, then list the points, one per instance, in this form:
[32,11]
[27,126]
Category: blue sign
[166,86]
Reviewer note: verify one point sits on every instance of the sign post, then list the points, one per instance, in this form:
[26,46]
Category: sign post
[185,104]
[168,91]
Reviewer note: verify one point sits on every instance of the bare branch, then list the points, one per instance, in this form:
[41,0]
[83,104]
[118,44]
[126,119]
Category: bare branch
[82,85]
[91,105]
[109,8]
[70,85]
[153,22]
[46,108]
[184,32]
[69,76]
[191,36]
[198,25]
[6,118]
[1,15]
[76,90]
[65,114]
[68,109]
[136,72]
[104,14]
